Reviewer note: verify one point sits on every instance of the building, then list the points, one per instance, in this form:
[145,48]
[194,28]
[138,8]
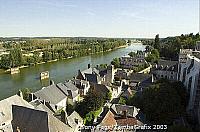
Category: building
[128,62]
[75,121]
[131,111]
[165,69]
[6,111]
[59,95]
[18,115]
[189,74]
[97,75]
[82,85]
[91,74]
[117,115]
[139,81]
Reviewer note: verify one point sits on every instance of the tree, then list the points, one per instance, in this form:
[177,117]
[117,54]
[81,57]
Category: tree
[26,93]
[122,100]
[161,102]
[132,54]
[116,62]
[47,56]
[157,42]
[16,57]
[5,62]
[153,56]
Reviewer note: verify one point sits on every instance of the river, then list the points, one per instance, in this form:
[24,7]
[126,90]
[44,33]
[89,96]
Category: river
[59,71]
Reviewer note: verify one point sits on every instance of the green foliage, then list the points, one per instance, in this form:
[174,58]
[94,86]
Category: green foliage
[26,93]
[47,56]
[5,62]
[162,102]
[132,54]
[55,48]
[153,57]
[89,117]
[103,66]
[116,62]
[170,46]
[15,57]
[157,42]
[122,101]
[92,102]
[140,67]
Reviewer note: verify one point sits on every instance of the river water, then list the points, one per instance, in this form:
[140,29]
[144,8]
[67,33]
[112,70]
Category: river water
[59,71]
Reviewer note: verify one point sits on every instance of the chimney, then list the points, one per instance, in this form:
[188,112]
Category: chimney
[124,114]
[88,66]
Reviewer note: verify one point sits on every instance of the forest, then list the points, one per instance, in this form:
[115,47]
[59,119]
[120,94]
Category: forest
[36,50]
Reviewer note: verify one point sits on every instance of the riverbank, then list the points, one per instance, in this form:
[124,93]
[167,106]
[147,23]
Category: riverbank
[3,71]
[60,71]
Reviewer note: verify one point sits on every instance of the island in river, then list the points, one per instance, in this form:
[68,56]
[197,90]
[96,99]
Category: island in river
[59,70]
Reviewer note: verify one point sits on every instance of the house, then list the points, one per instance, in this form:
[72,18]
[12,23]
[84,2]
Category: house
[91,74]
[18,115]
[138,81]
[52,95]
[99,88]
[110,118]
[131,111]
[6,111]
[189,74]
[59,95]
[75,121]
[165,69]
[31,120]
[82,85]
[127,93]
[116,89]
[107,75]
[121,74]
[128,62]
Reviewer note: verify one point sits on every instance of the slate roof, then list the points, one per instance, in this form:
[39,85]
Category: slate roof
[139,77]
[6,107]
[71,119]
[99,88]
[167,65]
[32,120]
[90,74]
[29,120]
[71,86]
[50,93]
[68,88]
[131,110]
[127,93]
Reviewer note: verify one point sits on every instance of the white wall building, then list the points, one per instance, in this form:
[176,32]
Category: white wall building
[189,74]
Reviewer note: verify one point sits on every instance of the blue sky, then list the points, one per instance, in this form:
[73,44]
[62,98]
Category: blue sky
[98,18]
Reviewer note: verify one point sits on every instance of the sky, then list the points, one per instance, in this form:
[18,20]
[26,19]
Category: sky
[98,18]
